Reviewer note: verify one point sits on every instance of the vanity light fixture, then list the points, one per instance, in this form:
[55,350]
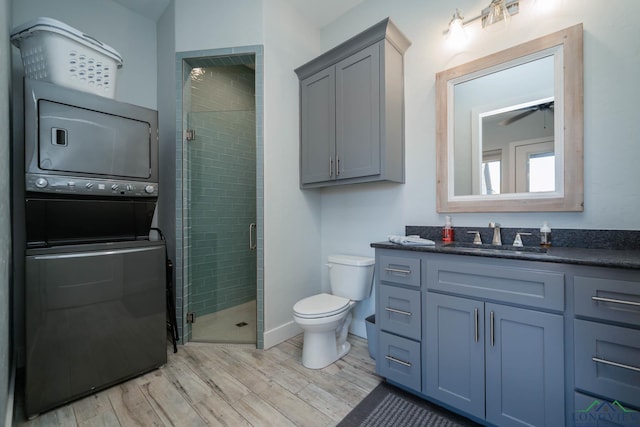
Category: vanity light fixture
[456,34]
[498,10]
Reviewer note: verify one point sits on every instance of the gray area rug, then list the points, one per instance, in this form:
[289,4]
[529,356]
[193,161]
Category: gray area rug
[388,406]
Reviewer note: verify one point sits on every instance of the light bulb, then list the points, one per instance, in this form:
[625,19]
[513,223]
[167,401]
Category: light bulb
[457,36]
[498,12]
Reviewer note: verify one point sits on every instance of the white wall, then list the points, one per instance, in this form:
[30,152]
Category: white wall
[213,24]
[166,93]
[131,35]
[352,217]
[291,216]
[6,347]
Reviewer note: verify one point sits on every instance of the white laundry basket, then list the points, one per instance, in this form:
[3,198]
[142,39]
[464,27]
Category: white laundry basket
[55,52]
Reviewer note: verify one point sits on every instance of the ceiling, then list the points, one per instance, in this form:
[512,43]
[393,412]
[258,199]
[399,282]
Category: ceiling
[319,13]
[152,9]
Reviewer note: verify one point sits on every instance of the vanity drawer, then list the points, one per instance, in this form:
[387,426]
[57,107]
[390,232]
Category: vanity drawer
[400,311]
[401,270]
[482,279]
[400,360]
[611,415]
[615,373]
[608,299]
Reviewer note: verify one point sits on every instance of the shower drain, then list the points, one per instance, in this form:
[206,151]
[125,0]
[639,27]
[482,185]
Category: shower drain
[241,324]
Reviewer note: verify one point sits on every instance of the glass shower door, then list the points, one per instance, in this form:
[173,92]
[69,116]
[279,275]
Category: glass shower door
[221,225]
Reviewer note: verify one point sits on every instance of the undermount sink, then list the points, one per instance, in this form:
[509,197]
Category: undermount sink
[484,247]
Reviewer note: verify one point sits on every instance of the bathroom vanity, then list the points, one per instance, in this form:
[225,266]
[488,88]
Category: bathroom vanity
[508,337]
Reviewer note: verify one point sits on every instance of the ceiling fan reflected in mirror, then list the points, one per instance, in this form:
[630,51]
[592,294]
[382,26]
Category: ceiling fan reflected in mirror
[521,113]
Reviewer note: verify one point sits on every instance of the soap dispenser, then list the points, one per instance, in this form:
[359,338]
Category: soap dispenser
[447,231]
[545,235]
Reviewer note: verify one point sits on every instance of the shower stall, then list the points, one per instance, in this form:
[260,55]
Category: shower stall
[220,273]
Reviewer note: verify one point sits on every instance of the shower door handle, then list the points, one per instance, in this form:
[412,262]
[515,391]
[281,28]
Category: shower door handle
[253,241]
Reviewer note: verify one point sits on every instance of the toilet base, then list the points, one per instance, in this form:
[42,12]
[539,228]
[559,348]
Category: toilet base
[320,349]
[316,351]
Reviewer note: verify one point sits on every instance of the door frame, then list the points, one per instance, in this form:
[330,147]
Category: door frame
[184,63]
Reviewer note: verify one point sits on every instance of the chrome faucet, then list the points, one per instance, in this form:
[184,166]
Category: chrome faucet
[497,240]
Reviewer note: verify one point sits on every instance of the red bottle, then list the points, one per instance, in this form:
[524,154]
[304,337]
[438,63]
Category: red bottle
[447,231]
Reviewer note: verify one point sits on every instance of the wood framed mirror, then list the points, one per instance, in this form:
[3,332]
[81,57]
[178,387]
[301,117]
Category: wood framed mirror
[510,129]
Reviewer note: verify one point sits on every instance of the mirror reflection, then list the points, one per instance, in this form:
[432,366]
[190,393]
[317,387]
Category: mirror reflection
[504,130]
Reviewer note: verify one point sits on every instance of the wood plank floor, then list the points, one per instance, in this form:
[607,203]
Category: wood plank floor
[227,385]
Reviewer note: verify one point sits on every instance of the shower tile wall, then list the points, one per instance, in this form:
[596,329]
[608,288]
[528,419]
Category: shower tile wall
[222,178]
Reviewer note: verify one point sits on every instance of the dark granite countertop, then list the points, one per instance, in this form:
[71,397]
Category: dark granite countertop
[604,248]
[617,258]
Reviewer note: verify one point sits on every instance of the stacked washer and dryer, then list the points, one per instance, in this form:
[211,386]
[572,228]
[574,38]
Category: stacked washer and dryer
[94,283]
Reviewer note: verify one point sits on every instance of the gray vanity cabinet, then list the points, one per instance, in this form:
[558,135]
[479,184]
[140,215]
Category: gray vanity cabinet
[495,362]
[352,111]
[491,350]
[399,316]
[607,339]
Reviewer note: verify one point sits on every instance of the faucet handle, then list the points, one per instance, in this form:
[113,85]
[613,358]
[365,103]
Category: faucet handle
[518,241]
[477,240]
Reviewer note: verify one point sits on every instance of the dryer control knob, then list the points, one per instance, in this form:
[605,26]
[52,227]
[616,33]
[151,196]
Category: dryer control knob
[41,182]
[148,189]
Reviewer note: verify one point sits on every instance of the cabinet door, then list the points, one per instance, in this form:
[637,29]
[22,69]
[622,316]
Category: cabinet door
[455,352]
[358,114]
[317,127]
[524,367]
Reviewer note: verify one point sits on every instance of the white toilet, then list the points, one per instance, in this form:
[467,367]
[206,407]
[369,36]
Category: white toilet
[325,318]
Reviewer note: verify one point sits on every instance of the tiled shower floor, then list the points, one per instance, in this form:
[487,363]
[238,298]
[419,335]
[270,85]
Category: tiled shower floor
[223,326]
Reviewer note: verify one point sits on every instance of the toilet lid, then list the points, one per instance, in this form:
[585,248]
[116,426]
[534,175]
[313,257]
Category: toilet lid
[321,305]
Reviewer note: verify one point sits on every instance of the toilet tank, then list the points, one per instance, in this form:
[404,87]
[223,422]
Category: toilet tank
[351,276]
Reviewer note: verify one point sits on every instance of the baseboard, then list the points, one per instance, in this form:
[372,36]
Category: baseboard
[281,333]
[8,422]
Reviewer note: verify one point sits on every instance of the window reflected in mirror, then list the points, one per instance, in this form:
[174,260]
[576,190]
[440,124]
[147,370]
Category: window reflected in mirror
[491,172]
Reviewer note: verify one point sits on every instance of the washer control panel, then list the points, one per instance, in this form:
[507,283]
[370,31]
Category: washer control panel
[89,187]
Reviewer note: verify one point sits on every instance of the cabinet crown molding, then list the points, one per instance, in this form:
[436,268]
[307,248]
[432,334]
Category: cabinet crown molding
[384,29]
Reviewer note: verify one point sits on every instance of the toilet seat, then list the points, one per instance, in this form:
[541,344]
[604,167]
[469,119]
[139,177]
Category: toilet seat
[321,305]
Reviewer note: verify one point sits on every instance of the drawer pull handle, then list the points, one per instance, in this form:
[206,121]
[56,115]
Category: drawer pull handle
[475,315]
[616,364]
[616,301]
[398,271]
[401,362]
[393,310]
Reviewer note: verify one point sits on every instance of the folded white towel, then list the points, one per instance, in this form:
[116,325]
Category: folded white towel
[410,240]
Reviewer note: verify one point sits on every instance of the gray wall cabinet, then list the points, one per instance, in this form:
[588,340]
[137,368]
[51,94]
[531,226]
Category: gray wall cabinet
[352,111]
[511,342]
